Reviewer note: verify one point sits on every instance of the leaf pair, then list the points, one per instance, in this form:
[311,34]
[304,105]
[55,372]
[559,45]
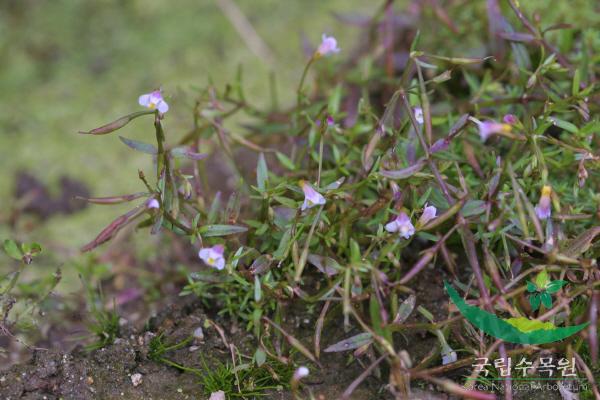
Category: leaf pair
[542,291]
[24,253]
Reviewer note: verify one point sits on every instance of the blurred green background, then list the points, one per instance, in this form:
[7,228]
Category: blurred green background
[70,65]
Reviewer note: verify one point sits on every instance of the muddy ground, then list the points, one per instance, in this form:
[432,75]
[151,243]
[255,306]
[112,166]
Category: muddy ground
[107,373]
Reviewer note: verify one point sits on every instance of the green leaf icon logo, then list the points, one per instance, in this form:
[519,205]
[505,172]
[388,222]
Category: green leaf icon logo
[514,330]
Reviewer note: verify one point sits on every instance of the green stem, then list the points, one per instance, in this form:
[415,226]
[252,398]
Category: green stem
[302,79]
[304,254]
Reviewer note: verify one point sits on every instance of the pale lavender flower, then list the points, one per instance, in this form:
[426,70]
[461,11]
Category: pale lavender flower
[154,100]
[402,225]
[489,128]
[449,358]
[218,395]
[429,213]
[328,46]
[301,372]
[544,209]
[152,203]
[311,196]
[418,112]
[213,256]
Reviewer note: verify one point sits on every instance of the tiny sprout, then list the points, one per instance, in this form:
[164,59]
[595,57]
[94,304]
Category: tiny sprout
[213,256]
[154,100]
[418,112]
[543,209]
[311,196]
[402,225]
[328,46]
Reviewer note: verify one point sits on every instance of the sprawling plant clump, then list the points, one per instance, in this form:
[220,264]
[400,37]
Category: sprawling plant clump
[398,162]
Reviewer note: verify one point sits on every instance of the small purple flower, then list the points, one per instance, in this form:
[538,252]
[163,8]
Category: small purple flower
[402,225]
[489,128]
[152,203]
[328,46]
[429,213]
[418,112]
[154,100]
[543,209]
[311,196]
[213,256]
[510,119]
[330,121]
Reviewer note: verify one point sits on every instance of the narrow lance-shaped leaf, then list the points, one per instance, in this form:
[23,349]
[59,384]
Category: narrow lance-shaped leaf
[114,227]
[117,124]
[405,172]
[326,265]
[262,173]
[405,309]
[350,343]
[221,230]
[186,152]
[139,146]
[581,243]
[113,199]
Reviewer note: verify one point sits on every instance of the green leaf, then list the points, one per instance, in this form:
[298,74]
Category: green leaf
[531,287]
[285,161]
[284,245]
[527,325]
[139,146]
[546,299]
[35,248]
[474,207]
[566,125]
[257,289]
[12,249]
[405,172]
[534,301]
[185,152]
[554,286]
[542,279]
[221,230]
[215,207]
[351,343]
[334,100]
[326,265]
[260,357]
[262,173]
[117,124]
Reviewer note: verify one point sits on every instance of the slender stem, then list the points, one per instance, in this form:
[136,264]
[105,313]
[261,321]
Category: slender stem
[320,159]
[304,254]
[302,79]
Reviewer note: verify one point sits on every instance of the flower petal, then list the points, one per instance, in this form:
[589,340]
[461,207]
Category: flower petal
[163,107]
[144,100]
